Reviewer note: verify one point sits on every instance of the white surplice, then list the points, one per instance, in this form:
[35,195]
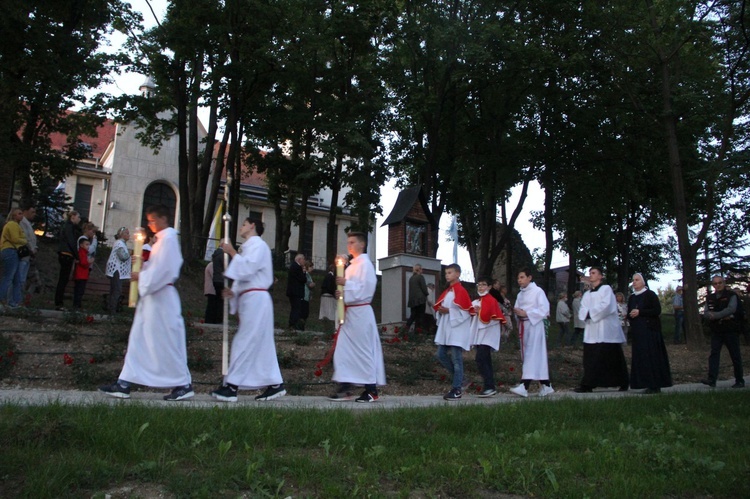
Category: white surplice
[358,357]
[534,302]
[453,328]
[253,363]
[157,349]
[599,310]
[484,334]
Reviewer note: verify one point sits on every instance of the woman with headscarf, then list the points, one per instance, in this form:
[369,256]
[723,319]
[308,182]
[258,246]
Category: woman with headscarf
[650,363]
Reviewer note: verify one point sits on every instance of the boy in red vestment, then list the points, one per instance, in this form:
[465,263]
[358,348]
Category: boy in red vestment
[453,313]
[485,334]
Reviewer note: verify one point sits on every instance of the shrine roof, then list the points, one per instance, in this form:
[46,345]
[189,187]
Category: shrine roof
[404,203]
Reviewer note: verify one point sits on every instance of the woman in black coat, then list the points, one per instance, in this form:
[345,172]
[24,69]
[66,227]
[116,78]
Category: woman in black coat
[650,363]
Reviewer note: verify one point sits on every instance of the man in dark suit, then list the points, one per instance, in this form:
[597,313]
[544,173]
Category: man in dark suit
[417,298]
[295,290]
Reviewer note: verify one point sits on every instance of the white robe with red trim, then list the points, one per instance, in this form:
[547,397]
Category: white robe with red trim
[253,363]
[453,328]
[157,347]
[485,333]
[534,302]
[358,357]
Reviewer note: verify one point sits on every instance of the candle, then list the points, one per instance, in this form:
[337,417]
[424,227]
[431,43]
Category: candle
[139,237]
[340,260]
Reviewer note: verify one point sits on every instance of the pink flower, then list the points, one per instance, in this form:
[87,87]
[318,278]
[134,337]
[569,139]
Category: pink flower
[92,361]
[67,359]
[89,319]
[395,329]
[512,369]
[318,372]
[384,329]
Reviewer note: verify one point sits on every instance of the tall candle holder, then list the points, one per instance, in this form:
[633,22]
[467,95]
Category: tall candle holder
[139,237]
[340,263]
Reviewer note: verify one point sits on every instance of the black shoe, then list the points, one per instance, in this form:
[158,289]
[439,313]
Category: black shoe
[180,393]
[225,393]
[650,391]
[454,394]
[582,389]
[739,384]
[709,382]
[116,390]
[623,388]
[272,392]
[367,397]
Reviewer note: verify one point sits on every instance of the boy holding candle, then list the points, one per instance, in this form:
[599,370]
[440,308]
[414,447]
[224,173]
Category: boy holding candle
[157,350]
[358,355]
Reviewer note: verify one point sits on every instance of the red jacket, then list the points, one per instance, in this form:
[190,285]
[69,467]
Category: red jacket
[81,272]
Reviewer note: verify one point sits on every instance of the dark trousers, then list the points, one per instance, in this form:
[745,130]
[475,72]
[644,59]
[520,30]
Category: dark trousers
[66,265]
[416,317]
[562,333]
[732,341]
[115,291]
[79,288]
[295,312]
[216,303]
[484,365]
[577,332]
[213,305]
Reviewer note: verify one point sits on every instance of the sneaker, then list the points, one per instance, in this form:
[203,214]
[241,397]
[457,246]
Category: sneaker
[272,392]
[709,382]
[116,390]
[489,392]
[367,397]
[342,396]
[739,384]
[454,394]
[180,393]
[546,390]
[225,393]
[520,390]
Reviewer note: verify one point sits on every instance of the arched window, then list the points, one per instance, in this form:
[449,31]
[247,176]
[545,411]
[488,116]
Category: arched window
[159,193]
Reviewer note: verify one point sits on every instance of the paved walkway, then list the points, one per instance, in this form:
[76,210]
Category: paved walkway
[36,397]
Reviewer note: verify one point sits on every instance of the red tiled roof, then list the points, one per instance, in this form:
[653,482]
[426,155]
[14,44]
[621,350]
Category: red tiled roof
[252,178]
[105,135]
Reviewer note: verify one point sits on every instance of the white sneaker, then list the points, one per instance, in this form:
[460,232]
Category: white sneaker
[546,390]
[520,390]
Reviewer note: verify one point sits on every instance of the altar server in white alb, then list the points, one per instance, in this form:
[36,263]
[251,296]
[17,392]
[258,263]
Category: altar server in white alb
[358,354]
[603,359]
[157,350]
[531,308]
[253,363]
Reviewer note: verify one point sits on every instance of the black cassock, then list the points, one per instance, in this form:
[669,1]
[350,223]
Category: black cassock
[650,363]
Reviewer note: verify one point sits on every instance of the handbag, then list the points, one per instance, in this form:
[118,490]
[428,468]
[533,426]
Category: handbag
[23,251]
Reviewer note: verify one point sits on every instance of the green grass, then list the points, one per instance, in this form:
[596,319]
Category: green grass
[675,445]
